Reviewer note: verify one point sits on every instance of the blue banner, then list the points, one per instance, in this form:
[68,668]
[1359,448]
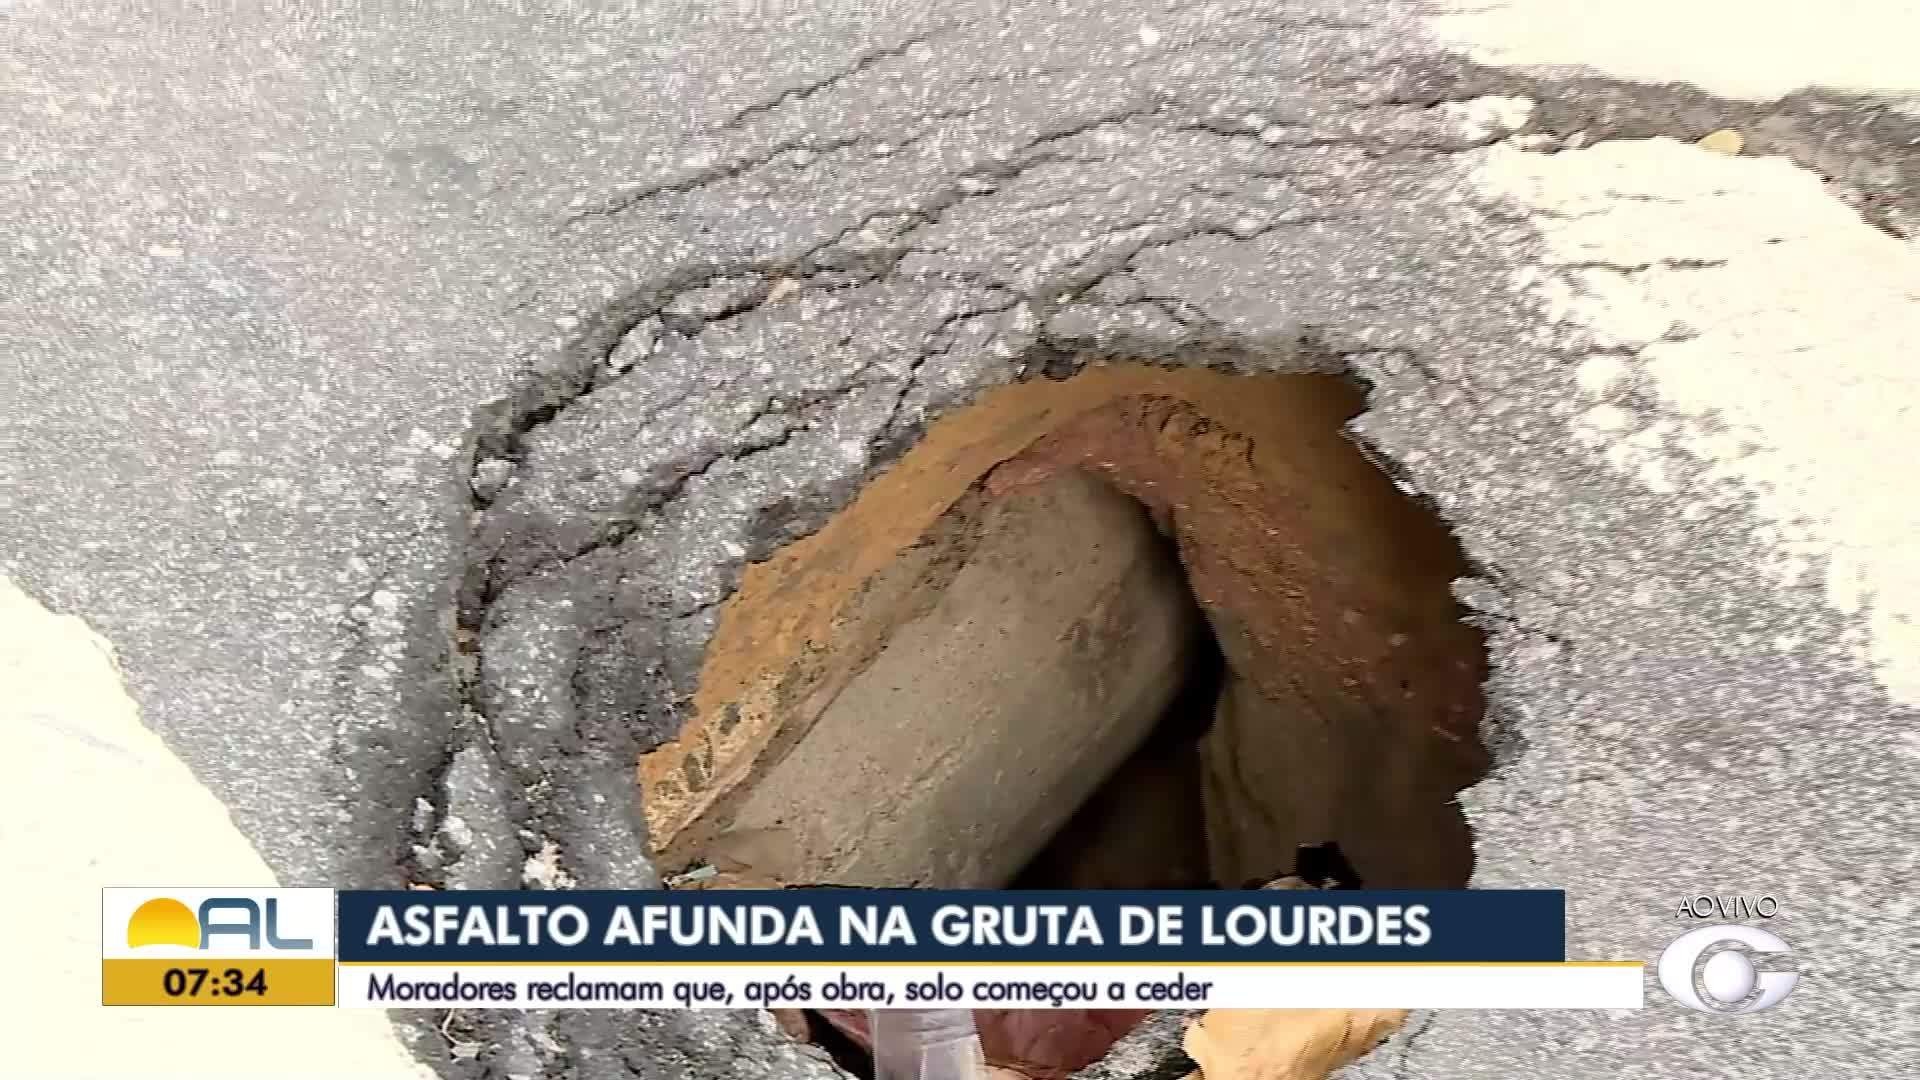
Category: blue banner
[854,926]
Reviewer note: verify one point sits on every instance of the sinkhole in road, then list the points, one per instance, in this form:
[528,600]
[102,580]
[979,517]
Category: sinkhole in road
[1140,627]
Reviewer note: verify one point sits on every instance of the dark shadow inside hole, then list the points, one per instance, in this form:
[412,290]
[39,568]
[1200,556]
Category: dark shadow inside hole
[1146,825]
[991,682]
[1308,682]
[846,1052]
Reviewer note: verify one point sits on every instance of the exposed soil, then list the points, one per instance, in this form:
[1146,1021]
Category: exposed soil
[1352,696]
[1347,710]
[1135,629]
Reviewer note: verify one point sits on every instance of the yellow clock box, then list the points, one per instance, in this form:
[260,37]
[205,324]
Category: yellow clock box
[199,946]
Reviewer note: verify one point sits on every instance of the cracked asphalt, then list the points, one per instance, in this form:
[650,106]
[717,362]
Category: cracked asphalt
[402,390]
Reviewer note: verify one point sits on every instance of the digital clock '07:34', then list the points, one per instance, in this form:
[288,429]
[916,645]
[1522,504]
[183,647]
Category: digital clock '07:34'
[196,982]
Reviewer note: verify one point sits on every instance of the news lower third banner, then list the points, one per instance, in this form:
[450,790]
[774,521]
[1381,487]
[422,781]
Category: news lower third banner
[854,948]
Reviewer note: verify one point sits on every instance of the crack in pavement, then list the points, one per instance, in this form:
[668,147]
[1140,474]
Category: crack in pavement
[579,623]
[861,64]
[573,381]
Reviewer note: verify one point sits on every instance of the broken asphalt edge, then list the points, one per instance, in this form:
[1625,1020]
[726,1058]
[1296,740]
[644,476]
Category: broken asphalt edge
[541,772]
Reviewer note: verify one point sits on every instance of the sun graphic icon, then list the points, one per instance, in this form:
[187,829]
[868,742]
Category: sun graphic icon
[163,921]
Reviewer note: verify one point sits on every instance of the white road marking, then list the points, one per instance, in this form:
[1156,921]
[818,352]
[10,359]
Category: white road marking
[1755,299]
[94,798]
[1733,48]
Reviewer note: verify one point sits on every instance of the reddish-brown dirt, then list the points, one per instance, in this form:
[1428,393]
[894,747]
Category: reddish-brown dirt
[1349,706]
[1354,695]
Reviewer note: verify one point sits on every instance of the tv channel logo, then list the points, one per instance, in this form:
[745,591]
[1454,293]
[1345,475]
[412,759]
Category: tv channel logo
[234,946]
[1727,969]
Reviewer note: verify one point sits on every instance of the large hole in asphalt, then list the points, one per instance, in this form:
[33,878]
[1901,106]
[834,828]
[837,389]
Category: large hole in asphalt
[1137,628]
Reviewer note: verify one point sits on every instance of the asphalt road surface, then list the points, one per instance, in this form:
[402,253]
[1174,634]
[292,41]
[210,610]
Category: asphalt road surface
[336,340]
